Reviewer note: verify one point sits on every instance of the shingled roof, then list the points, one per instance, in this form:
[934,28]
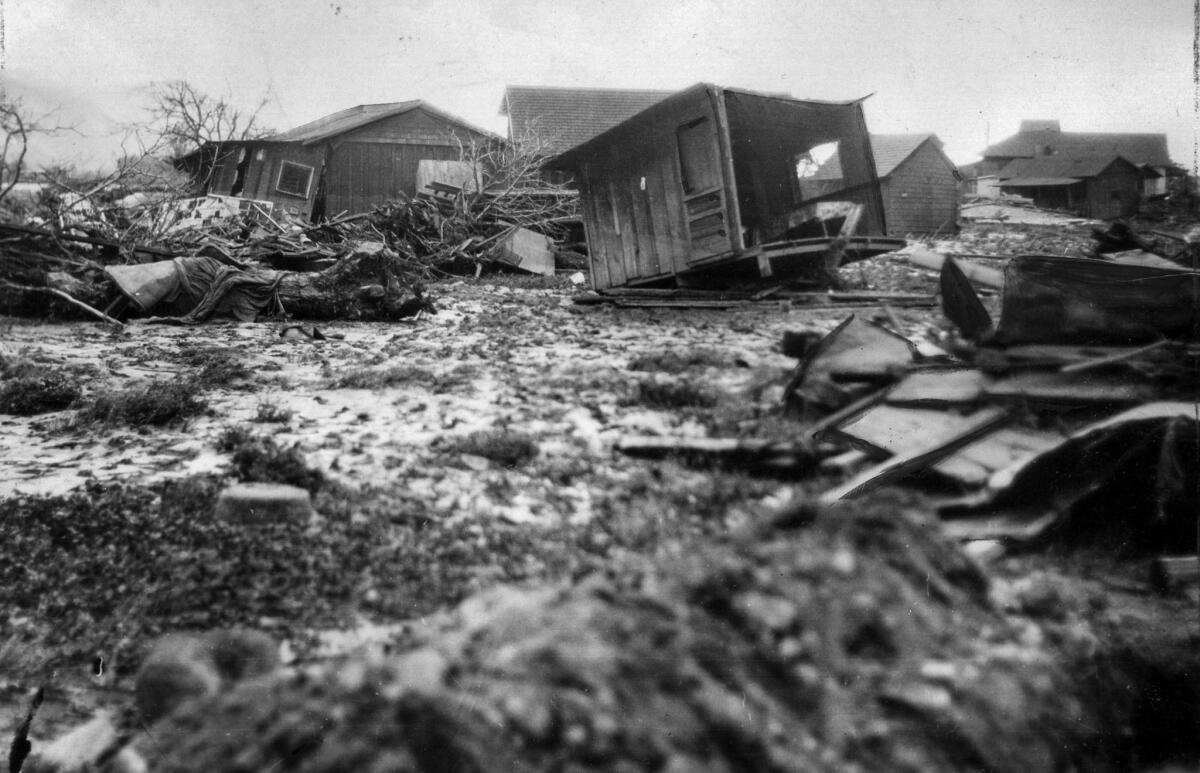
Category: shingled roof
[566,117]
[889,150]
[1138,148]
[361,115]
[1055,170]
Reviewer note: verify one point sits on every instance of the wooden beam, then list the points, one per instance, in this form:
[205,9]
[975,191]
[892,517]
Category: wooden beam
[988,277]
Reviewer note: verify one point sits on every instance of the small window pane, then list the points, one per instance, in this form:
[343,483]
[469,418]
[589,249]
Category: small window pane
[294,179]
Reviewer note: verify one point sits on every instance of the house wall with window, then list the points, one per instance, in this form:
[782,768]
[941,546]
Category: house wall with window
[285,173]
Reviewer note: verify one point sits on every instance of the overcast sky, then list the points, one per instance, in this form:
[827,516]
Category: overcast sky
[968,70]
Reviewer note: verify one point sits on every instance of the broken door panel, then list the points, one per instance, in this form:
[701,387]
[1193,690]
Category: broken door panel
[703,190]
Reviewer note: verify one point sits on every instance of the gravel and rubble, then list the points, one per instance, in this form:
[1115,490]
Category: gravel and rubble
[526,597]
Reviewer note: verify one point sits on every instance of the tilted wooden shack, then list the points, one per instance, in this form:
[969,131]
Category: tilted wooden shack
[714,183]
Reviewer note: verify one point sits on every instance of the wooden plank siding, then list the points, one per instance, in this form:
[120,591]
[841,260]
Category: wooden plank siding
[1115,192]
[633,200]
[671,189]
[262,174]
[921,195]
[364,174]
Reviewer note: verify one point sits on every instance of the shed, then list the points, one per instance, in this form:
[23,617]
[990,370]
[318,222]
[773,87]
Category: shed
[918,182]
[349,161]
[1102,187]
[920,185]
[714,183]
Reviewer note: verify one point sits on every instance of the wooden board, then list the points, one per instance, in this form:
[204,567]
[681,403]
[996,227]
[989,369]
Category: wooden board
[938,387]
[1071,388]
[922,453]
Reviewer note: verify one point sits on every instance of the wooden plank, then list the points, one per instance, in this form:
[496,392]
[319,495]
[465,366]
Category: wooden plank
[886,430]
[989,277]
[974,464]
[939,387]
[668,175]
[733,215]
[921,456]
[1070,388]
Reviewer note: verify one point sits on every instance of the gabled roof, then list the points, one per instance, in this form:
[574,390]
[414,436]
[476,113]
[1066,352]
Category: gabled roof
[1022,171]
[566,117]
[1137,148]
[356,117]
[889,150]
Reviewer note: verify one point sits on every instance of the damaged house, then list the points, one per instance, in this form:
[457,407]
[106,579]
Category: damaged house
[714,183]
[349,161]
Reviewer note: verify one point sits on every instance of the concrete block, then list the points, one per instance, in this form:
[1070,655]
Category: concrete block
[259,504]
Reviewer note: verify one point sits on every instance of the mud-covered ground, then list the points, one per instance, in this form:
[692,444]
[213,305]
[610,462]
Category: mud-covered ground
[446,456]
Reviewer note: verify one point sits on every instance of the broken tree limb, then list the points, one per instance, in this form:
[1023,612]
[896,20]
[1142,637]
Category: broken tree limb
[60,294]
[988,277]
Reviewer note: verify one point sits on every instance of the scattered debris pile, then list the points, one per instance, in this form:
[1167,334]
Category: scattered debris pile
[222,256]
[849,640]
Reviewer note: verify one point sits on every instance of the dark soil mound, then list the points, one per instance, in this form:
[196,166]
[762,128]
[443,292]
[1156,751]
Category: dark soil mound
[847,640]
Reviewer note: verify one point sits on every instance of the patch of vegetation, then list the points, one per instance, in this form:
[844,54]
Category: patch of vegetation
[506,448]
[272,413]
[672,361]
[215,365]
[33,394]
[262,460]
[110,566]
[154,403]
[403,375]
[670,394]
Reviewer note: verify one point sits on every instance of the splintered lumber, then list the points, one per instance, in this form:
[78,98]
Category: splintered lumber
[988,277]
[1168,573]
[1147,451]
[921,455]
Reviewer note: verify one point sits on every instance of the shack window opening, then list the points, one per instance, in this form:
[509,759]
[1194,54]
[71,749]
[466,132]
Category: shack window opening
[819,170]
[294,179]
[698,164]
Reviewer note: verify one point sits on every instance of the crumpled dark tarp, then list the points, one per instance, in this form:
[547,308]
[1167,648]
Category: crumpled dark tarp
[192,290]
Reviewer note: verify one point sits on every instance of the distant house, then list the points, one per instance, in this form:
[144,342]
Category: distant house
[349,161]
[1102,187]
[1045,138]
[713,183]
[565,117]
[919,184]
